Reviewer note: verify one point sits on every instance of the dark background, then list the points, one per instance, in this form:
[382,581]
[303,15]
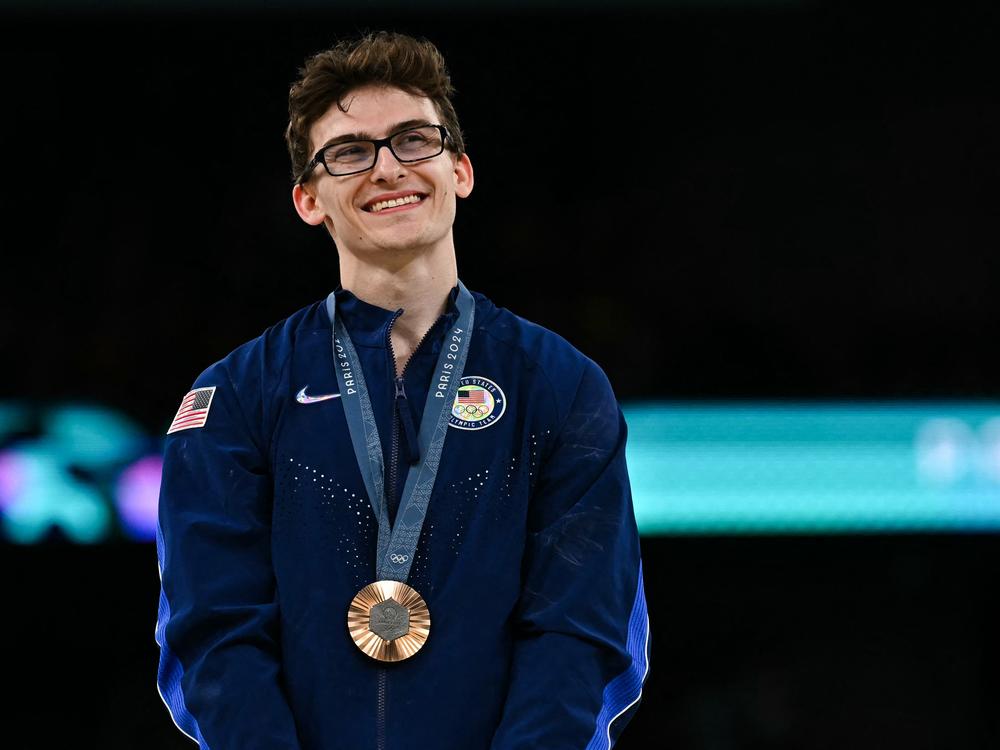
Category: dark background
[728,200]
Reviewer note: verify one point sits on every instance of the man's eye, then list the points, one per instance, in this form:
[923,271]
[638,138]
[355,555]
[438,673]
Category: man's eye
[348,152]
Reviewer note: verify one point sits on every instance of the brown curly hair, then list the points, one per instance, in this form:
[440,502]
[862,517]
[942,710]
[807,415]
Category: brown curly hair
[382,58]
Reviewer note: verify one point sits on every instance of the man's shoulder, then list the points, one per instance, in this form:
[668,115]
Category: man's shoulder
[535,346]
[265,355]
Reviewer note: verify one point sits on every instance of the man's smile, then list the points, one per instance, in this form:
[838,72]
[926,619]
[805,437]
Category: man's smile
[392,203]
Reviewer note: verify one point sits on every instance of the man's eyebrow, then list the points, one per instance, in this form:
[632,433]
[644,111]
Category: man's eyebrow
[363,136]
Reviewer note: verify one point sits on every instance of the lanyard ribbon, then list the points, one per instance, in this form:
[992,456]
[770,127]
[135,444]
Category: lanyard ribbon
[398,545]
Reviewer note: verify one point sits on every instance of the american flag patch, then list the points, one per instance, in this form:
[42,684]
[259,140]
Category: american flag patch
[472,396]
[194,409]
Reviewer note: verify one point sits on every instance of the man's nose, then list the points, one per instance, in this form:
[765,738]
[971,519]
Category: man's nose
[387,166]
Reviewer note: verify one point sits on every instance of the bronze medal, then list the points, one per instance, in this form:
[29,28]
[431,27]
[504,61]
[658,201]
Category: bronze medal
[388,620]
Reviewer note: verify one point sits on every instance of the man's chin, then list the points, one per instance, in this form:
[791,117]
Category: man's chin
[403,243]
[397,242]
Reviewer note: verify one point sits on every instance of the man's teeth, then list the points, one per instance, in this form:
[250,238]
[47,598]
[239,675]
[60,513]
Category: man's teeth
[394,202]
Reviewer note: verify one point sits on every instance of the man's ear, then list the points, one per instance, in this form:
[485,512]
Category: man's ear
[464,178]
[306,206]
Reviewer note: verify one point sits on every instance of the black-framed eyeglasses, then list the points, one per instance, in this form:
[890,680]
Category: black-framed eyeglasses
[351,157]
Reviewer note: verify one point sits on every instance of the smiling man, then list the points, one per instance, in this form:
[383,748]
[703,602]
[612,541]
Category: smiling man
[401,517]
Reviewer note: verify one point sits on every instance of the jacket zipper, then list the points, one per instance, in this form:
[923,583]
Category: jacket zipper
[400,395]
[380,721]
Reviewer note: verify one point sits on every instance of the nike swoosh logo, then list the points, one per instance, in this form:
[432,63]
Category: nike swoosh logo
[302,398]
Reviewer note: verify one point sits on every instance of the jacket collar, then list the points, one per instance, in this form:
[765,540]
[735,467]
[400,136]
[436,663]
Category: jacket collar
[368,324]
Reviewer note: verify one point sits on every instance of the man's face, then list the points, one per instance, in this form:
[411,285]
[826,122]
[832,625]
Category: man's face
[343,203]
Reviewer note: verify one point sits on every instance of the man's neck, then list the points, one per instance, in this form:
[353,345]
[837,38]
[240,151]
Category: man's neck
[420,286]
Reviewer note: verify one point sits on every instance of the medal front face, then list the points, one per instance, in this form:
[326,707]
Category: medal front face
[389,621]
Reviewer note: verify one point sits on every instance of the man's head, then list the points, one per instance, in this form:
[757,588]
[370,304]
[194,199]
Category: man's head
[385,59]
[370,89]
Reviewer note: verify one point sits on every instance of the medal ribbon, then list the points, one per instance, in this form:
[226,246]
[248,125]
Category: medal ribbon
[398,545]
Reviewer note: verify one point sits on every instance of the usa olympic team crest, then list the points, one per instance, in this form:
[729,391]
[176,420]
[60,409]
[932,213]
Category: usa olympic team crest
[479,403]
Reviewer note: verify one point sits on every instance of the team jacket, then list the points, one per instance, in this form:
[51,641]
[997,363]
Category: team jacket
[528,559]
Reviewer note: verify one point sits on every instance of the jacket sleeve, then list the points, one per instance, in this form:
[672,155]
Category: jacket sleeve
[219,671]
[581,629]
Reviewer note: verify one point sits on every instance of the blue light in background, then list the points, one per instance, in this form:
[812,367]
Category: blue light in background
[816,468]
[722,468]
[38,494]
[13,418]
[57,470]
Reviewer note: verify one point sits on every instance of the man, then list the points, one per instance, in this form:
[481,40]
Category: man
[400,518]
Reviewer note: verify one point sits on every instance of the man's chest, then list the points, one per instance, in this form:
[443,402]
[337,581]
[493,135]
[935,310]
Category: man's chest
[326,526]
[495,412]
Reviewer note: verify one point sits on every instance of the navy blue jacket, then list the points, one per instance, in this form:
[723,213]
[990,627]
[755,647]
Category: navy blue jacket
[528,560]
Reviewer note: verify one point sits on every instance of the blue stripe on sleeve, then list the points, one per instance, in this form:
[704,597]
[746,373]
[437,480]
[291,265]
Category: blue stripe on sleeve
[625,690]
[168,678]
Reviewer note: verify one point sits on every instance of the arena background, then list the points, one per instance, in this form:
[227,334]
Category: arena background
[768,222]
